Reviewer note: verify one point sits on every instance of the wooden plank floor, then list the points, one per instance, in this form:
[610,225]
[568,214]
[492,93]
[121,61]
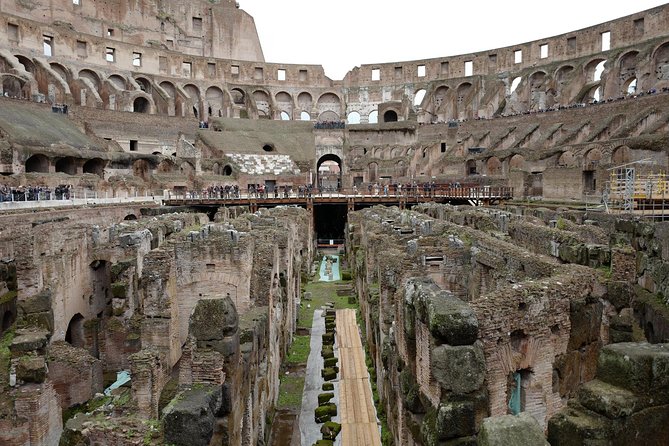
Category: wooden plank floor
[357,413]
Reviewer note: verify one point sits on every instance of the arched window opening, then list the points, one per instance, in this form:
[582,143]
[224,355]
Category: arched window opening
[268,147]
[304,116]
[631,87]
[599,69]
[353,118]
[329,172]
[95,166]
[390,116]
[227,170]
[373,117]
[418,98]
[514,84]
[285,116]
[140,105]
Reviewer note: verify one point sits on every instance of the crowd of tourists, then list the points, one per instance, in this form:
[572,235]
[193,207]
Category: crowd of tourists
[35,193]
[330,125]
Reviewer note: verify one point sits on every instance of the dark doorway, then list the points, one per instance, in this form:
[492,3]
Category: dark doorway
[141,105]
[330,221]
[390,116]
[328,173]
[75,331]
[7,321]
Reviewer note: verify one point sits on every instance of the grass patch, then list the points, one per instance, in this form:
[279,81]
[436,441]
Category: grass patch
[290,392]
[299,350]
[321,293]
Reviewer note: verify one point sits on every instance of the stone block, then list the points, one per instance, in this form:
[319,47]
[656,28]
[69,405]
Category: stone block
[570,427]
[639,367]
[455,419]
[586,319]
[607,400]
[512,430]
[31,369]
[189,419]
[29,341]
[214,319]
[460,369]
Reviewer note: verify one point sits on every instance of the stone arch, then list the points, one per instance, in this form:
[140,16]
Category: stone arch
[594,69]
[92,77]
[493,166]
[305,116]
[12,86]
[329,177]
[61,70]
[661,62]
[238,96]
[567,159]
[169,88]
[144,84]
[328,115]
[395,152]
[537,80]
[284,115]
[621,155]
[186,168]
[373,117]
[117,81]
[37,163]
[67,165]
[330,102]
[284,102]
[462,100]
[141,105]
[193,93]
[517,162]
[27,63]
[563,73]
[75,331]
[214,101]
[592,158]
[390,116]
[95,166]
[305,101]
[263,104]
[227,170]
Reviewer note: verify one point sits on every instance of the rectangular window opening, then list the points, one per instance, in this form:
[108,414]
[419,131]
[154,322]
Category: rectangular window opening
[234,70]
[187,69]
[444,68]
[571,44]
[398,72]
[606,41]
[492,58]
[543,51]
[133,145]
[303,75]
[443,147]
[258,74]
[110,54]
[110,32]
[517,56]
[48,45]
[281,74]
[197,24]
[376,74]
[639,27]
[136,59]
[211,69]
[170,43]
[13,32]
[76,2]
[421,70]
[82,48]
[469,68]
[162,64]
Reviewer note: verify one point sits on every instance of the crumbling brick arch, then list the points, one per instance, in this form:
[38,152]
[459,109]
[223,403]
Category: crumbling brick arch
[214,102]
[27,63]
[166,165]
[87,79]
[517,162]
[329,102]
[465,93]
[493,166]
[592,159]
[621,155]
[567,159]
[145,84]
[186,168]
[194,101]
[12,85]
[627,66]
[284,102]
[305,103]
[37,163]
[660,62]
[118,81]
[75,331]
[263,103]
[419,97]
[594,70]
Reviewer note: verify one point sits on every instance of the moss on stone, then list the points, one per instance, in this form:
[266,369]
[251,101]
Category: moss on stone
[7,297]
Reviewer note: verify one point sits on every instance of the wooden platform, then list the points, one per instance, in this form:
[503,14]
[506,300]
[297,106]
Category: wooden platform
[356,412]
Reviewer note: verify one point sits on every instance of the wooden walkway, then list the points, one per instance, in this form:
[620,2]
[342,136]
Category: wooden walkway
[357,413]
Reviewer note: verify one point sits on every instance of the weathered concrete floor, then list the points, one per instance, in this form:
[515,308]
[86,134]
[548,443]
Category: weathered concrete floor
[359,425]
